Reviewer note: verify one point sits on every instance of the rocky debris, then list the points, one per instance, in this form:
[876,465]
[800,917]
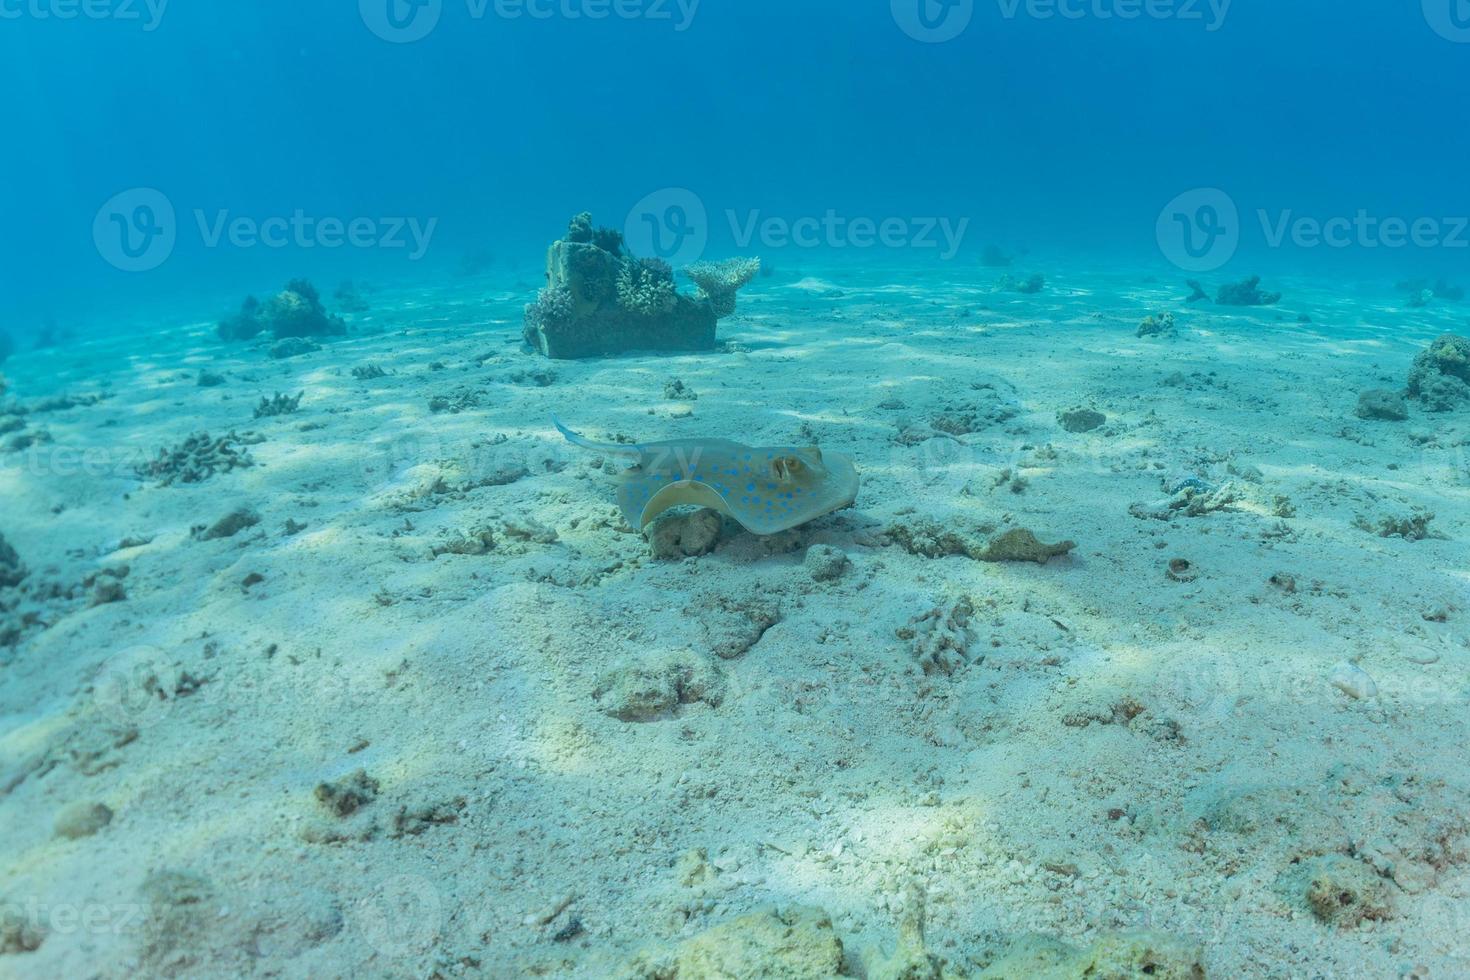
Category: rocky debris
[474,543]
[208,379]
[685,534]
[1029,286]
[1246,293]
[1081,419]
[344,797]
[368,372]
[1020,544]
[82,820]
[18,932]
[654,686]
[1440,376]
[12,570]
[1158,325]
[107,589]
[1340,891]
[410,821]
[1411,524]
[293,347]
[460,400]
[911,958]
[279,405]
[778,943]
[1382,405]
[930,539]
[1189,497]
[986,407]
[677,390]
[198,458]
[941,637]
[1118,956]
[825,563]
[1197,292]
[734,624]
[228,526]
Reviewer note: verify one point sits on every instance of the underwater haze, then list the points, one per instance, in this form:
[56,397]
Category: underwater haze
[682,489]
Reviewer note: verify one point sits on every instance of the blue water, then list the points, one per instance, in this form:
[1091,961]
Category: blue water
[1061,135]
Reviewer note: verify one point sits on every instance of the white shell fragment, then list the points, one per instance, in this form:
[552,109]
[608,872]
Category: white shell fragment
[1353,681]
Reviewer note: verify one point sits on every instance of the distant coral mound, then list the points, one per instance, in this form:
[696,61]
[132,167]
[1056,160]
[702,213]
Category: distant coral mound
[1246,293]
[1440,377]
[599,300]
[295,311]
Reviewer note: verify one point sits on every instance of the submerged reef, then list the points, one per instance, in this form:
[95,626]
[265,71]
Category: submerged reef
[12,571]
[1440,377]
[1246,293]
[599,300]
[295,311]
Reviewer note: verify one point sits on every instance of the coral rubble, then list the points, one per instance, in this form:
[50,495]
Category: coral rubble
[1246,293]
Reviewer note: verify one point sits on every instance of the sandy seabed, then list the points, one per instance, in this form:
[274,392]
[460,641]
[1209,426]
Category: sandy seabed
[426,707]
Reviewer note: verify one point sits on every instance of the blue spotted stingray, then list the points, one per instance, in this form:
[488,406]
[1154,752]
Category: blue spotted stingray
[765,489]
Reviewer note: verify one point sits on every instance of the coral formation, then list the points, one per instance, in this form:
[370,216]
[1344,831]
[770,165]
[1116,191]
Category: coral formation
[720,281]
[1197,292]
[1440,376]
[197,458]
[1020,544]
[279,405]
[296,311]
[941,637]
[1029,286]
[345,796]
[1246,293]
[599,300]
[1341,891]
[1161,325]
[685,535]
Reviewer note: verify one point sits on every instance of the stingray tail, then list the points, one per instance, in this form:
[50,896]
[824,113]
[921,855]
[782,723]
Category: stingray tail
[585,443]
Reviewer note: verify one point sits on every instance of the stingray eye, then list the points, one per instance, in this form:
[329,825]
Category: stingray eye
[786,467]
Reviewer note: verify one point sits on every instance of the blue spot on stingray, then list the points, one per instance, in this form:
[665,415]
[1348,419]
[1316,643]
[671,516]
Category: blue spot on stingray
[750,487]
[770,486]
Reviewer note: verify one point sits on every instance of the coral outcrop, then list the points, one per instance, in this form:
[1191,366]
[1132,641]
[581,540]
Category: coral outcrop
[295,311]
[598,300]
[1246,293]
[1440,377]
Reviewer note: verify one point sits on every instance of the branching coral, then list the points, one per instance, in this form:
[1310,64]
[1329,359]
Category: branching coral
[553,307]
[720,281]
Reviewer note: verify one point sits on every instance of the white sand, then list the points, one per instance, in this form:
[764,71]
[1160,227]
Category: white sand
[833,771]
